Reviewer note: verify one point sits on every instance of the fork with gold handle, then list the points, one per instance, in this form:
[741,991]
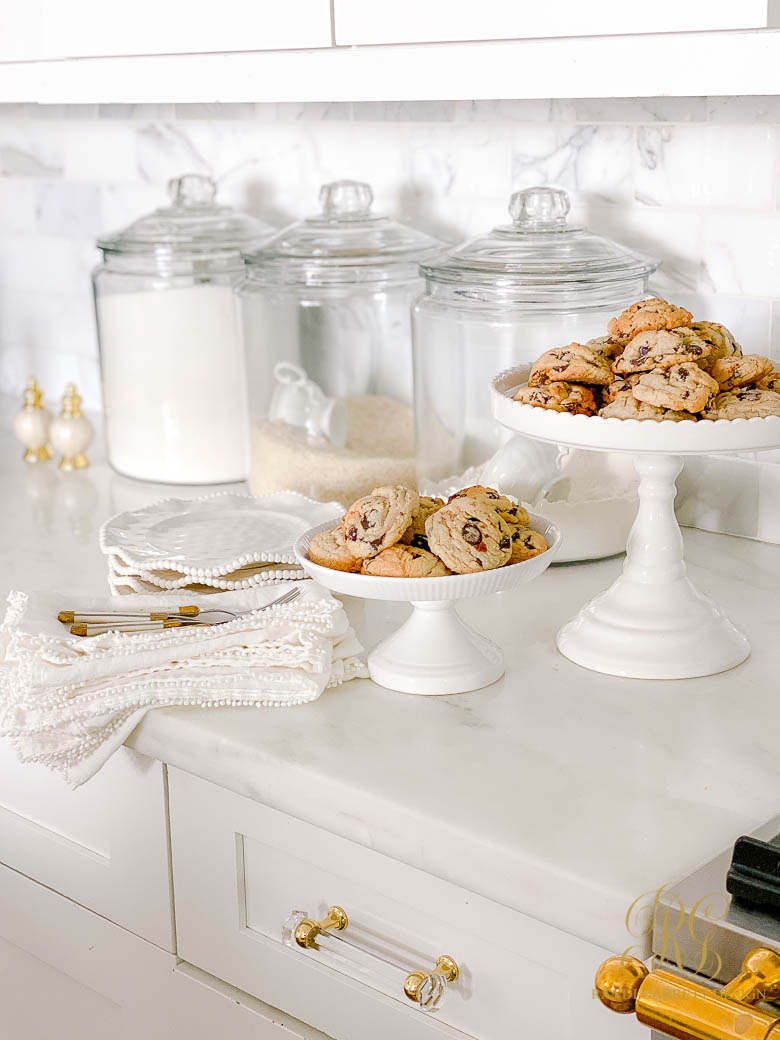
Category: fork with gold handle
[86,624]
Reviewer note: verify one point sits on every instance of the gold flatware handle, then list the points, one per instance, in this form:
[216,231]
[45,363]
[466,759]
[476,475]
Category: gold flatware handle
[68,617]
[82,628]
[179,615]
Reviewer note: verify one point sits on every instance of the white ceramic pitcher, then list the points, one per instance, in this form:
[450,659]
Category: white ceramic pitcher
[524,468]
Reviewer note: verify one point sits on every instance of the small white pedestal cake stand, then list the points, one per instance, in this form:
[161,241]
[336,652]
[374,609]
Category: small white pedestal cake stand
[651,623]
[434,651]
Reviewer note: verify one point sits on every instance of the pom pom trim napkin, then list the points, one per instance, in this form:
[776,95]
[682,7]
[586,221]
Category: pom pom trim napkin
[69,702]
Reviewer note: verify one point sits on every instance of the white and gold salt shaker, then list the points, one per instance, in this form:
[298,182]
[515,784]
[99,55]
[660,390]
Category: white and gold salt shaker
[71,432]
[31,425]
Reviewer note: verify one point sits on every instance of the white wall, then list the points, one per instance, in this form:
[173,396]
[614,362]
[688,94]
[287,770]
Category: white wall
[693,181]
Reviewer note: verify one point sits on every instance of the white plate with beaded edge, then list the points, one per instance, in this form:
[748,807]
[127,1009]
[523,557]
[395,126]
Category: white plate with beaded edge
[434,651]
[215,535]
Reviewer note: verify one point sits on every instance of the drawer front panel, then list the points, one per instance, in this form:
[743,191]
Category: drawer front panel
[239,868]
[104,845]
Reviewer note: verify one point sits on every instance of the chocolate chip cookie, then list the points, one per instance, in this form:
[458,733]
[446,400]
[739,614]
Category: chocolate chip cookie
[734,372]
[496,499]
[720,339]
[515,516]
[377,521]
[646,316]
[744,404]
[621,385]
[560,397]
[626,406]
[685,388]
[469,535]
[526,544]
[769,382]
[405,561]
[607,346]
[574,363]
[509,511]
[329,549]
[415,532]
[662,349]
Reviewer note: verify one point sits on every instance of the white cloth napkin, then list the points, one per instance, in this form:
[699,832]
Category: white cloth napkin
[68,701]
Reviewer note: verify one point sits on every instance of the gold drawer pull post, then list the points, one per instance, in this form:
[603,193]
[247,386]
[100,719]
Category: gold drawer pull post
[418,983]
[307,931]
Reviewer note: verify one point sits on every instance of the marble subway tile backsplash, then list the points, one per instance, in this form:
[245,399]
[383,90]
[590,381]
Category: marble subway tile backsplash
[693,181]
[705,166]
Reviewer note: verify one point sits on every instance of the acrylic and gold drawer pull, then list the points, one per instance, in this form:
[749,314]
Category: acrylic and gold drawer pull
[425,988]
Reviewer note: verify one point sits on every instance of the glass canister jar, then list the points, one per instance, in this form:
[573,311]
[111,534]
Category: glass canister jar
[331,294]
[501,300]
[172,363]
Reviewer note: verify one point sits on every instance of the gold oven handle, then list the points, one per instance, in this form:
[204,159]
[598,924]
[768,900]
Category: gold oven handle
[687,1010]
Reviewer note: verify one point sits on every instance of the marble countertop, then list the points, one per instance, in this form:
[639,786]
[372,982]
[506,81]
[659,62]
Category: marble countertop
[559,792]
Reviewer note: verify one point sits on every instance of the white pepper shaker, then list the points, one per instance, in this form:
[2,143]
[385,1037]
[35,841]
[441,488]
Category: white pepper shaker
[71,432]
[31,425]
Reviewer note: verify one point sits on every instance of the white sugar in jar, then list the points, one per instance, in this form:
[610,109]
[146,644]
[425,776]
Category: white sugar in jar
[172,363]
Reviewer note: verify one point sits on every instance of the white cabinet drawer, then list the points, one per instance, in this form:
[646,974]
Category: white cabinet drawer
[105,845]
[240,867]
[100,982]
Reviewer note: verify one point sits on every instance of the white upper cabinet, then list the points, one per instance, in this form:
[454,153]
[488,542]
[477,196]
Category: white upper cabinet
[46,29]
[403,50]
[412,21]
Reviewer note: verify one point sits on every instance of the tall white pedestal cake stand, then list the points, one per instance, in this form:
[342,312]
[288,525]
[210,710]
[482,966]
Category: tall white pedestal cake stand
[651,623]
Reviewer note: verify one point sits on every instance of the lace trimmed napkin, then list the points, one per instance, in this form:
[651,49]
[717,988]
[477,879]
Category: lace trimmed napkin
[69,702]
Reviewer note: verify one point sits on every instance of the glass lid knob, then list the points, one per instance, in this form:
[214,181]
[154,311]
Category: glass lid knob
[539,209]
[346,199]
[192,189]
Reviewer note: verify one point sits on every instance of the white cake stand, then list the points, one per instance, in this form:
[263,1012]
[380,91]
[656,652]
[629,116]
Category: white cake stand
[434,651]
[651,623]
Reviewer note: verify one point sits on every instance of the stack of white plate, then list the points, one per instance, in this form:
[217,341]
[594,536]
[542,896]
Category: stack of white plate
[218,543]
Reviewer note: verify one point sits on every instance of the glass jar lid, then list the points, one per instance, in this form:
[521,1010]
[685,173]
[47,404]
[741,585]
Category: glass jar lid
[193,228]
[540,255]
[344,243]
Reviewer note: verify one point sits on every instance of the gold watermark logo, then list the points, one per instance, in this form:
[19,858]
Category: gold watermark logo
[675,929]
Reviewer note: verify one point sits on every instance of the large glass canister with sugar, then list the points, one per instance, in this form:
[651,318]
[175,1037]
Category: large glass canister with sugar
[331,295]
[172,364]
[501,300]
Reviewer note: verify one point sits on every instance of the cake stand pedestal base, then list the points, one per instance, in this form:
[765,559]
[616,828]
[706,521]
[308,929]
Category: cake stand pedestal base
[435,652]
[652,623]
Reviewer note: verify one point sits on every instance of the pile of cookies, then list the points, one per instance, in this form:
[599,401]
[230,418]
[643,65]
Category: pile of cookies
[396,533]
[656,363]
